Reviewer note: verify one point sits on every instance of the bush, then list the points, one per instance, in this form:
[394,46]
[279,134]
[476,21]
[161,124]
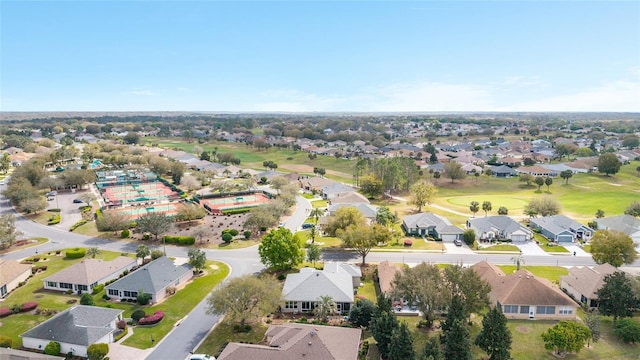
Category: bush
[54,219]
[5,342]
[120,336]
[98,288]
[78,224]
[281,277]
[52,348]
[233,232]
[97,351]
[143,298]
[152,319]
[146,236]
[180,240]
[241,328]
[106,297]
[43,268]
[236,211]
[5,312]
[86,299]
[124,234]
[226,237]
[53,210]
[137,315]
[28,306]
[247,234]
[156,254]
[627,330]
[76,253]
[15,308]
[408,242]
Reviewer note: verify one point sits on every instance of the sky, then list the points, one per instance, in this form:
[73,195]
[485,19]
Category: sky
[319,56]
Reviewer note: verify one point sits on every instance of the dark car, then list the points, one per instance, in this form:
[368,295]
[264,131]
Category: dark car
[77,201]
[307,226]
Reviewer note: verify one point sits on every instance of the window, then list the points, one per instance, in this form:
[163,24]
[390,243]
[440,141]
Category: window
[510,309]
[114,292]
[66,286]
[524,309]
[307,306]
[549,310]
[130,294]
[52,284]
[565,310]
[83,287]
[291,305]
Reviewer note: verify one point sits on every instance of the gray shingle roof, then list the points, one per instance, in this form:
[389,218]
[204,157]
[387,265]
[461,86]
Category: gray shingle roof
[556,224]
[89,271]
[499,223]
[310,284]
[624,223]
[82,325]
[152,277]
[427,219]
[369,211]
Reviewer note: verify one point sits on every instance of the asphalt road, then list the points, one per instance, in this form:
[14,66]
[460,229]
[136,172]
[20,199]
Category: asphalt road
[194,328]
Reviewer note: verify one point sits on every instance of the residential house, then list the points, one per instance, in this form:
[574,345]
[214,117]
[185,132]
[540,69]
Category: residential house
[623,223]
[537,170]
[351,199]
[501,227]
[12,273]
[560,228]
[429,224]
[315,183]
[332,190]
[84,276]
[302,290]
[15,354]
[299,341]
[75,329]
[386,274]
[369,211]
[154,278]
[521,295]
[583,282]
[503,171]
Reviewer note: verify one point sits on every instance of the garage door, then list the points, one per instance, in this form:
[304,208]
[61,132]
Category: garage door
[565,238]
[518,238]
[448,237]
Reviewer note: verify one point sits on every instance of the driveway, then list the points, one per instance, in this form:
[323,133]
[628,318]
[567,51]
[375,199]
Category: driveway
[531,248]
[453,249]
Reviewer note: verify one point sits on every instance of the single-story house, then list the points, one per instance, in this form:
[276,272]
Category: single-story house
[503,171]
[537,170]
[499,227]
[84,276]
[349,198]
[583,282]
[315,183]
[12,273]
[75,329]
[153,278]
[302,290]
[368,211]
[299,341]
[624,223]
[386,274]
[560,228]
[429,224]
[331,190]
[521,295]
[15,354]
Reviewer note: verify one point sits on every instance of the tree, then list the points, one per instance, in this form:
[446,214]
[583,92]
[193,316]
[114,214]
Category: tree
[5,163]
[566,336]
[361,312]
[200,233]
[474,207]
[177,169]
[8,231]
[278,182]
[566,175]
[371,186]
[424,286]
[131,138]
[518,261]
[325,307]
[190,183]
[599,214]
[502,210]
[246,298]
[86,299]
[469,236]
[495,336]
[111,221]
[205,156]
[613,247]
[453,171]
[260,218]
[343,218]
[86,198]
[545,206]
[456,342]
[539,180]
[313,254]
[401,346]
[466,284]
[431,349]
[486,207]
[33,205]
[592,320]
[316,213]
[627,330]
[548,181]
[97,351]
[52,348]
[455,312]
[382,326]
[608,163]
[197,259]
[422,193]
[615,297]
[93,251]
[526,178]
[385,217]
[633,209]
[142,252]
[436,175]
[156,254]
[280,250]
[155,224]
[190,212]
[630,141]
[362,237]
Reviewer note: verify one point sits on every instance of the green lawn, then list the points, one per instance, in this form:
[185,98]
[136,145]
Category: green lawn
[500,247]
[237,244]
[224,333]
[38,241]
[319,204]
[544,245]
[551,273]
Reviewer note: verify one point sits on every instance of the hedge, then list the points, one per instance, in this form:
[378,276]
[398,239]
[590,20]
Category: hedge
[237,210]
[54,219]
[78,224]
[152,319]
[28,306]
[180,240]
[53,210]
[5,312]
[122,334]
[76,253]
[5,342]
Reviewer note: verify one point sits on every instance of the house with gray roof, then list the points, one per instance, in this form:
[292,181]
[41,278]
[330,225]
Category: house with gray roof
[430,224]
[624,223]
[560,228]
[75,329]
[501,228]
[332,190]
[12,273]
[153,278]
[84,276]
[584,282]
[302,290]
[369,211]
[502,171]
[299,341]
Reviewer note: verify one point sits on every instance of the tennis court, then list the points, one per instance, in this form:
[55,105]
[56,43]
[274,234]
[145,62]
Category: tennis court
[135,212]
[136,192]
[218,205]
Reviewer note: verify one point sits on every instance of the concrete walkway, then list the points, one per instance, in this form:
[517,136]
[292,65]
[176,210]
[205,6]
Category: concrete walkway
[117,351]
[577,249]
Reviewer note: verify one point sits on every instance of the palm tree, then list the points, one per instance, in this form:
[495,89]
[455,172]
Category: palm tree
[313,232]
[317,213]
[93,251]
[518,260]
[325,307]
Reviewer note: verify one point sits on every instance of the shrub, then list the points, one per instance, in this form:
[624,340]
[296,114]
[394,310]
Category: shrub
[52,348]
[5,312]
[282,277]
[106,297]
[5,342]
[247,234]
[137,315]
[180,240]
[76,253]
[241,328]
[72,301]
[146,236]
[69,292]
[143,298]
[15,308]
[152,319]
[98,288]
[53,210]
[86,299]
[28,306]
[78,224]
[97,351]
[627,330]
[54,219]
[125,233]
[408,242]
[156,254]
[43,268]
[233,232]
[226,237]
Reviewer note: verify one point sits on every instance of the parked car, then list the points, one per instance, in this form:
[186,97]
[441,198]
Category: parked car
[458,242]
[77,201]
[307,226]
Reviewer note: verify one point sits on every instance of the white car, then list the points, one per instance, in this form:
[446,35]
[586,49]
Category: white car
[200,357]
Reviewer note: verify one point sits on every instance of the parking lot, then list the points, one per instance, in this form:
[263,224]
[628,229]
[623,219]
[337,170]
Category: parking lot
[69,211]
